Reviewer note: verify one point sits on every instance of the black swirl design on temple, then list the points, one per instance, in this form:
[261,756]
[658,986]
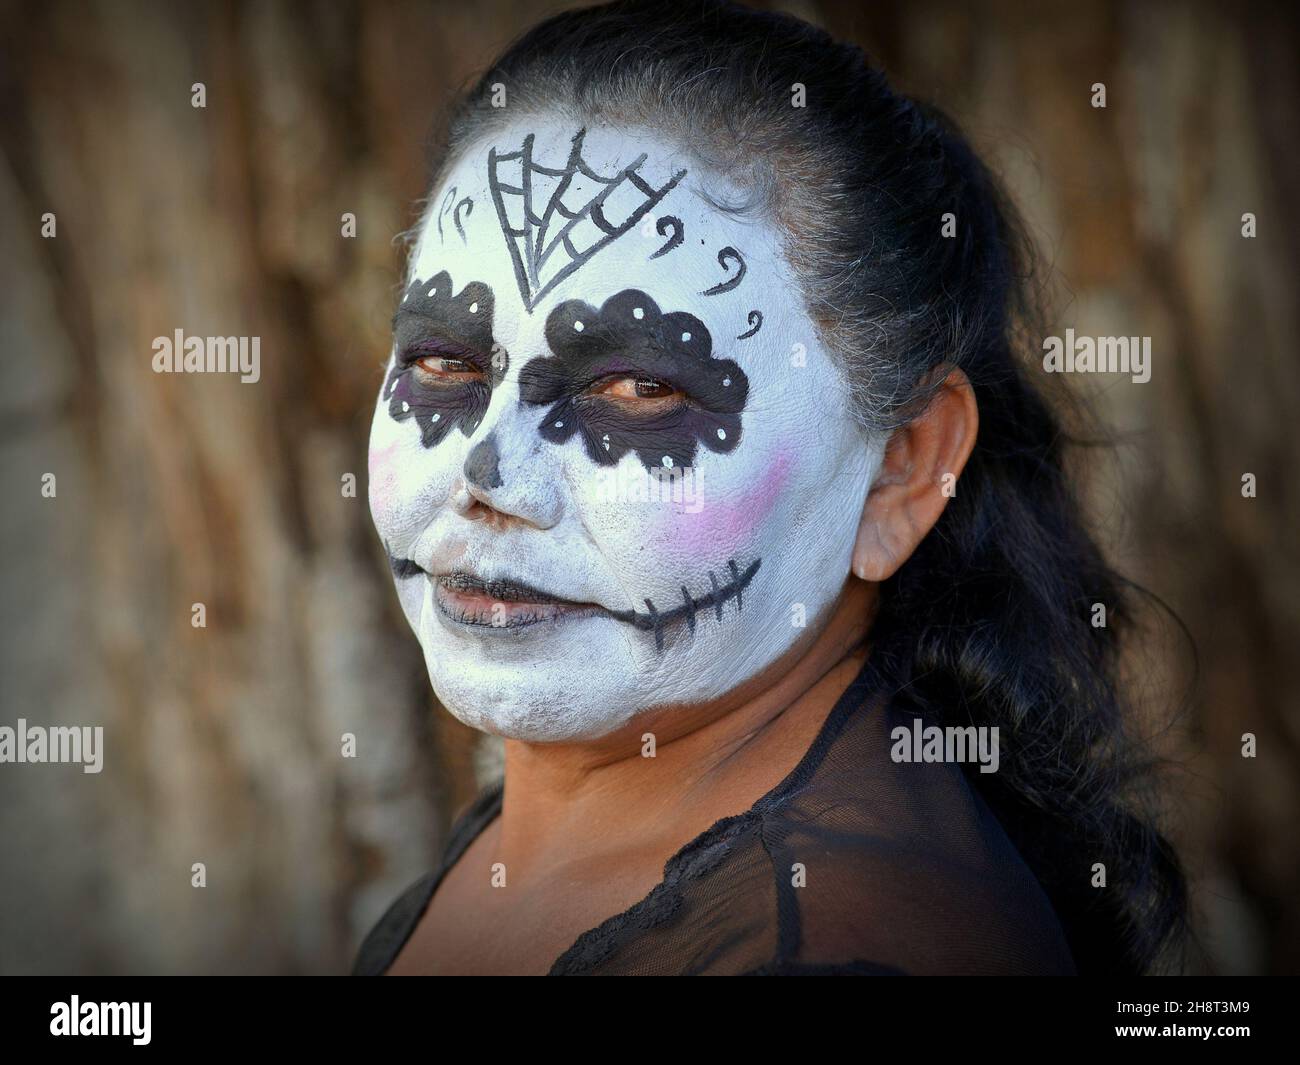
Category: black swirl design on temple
[662,226]
[433,320]
[728,255]
[553,222]
[630,336]
[456,207]
[755,323]
[691,607]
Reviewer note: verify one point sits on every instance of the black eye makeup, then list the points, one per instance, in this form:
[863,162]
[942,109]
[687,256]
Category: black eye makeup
[447,363]
[628,377]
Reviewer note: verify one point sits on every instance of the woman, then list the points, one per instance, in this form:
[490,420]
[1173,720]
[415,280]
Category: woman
[710,480]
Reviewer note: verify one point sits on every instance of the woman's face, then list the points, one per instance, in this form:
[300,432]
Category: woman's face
[611,460]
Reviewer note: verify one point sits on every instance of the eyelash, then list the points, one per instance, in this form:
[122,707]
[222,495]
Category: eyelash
[445,349]
[469,366]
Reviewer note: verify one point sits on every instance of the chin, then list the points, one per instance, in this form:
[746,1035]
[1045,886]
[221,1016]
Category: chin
[547,699]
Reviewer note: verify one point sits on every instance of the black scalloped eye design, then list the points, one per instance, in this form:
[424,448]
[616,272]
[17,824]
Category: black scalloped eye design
[629,334]
[429,306]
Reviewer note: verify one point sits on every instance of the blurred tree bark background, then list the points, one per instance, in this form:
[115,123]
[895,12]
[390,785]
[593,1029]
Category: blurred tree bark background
[223,744]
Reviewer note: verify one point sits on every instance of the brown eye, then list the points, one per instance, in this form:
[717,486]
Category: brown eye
[445,368]
[649,388]
[634,388]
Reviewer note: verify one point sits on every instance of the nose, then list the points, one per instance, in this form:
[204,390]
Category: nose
[483,464]
[506,481]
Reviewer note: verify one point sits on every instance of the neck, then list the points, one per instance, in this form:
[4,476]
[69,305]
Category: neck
[709,760]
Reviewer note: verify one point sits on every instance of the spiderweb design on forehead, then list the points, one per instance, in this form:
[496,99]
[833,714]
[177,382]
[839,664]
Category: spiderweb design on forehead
[580,211]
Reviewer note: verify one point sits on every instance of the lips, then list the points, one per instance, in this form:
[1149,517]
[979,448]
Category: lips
[498,589]
[502,603]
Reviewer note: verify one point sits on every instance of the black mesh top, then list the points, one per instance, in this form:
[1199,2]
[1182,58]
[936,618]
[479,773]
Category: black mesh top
[853,864]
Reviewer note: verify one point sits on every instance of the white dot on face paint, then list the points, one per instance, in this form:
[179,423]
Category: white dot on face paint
[722,434]
[668,462]
[473,308]
[638,312]
[577,326]
[685,337]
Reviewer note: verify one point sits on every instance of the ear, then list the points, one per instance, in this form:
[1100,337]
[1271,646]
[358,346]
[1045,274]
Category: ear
[918,476]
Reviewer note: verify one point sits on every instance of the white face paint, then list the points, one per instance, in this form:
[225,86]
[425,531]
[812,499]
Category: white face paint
[521,373]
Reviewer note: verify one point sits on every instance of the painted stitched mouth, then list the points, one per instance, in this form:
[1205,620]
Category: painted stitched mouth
[653,619]
[656,619]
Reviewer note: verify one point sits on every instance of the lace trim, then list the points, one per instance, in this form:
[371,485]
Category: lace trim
[700,856]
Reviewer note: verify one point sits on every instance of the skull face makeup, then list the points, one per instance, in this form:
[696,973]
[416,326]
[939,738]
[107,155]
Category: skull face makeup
[611,461]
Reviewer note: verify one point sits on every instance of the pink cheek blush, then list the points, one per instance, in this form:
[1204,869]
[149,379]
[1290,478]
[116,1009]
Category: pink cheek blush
[383,482]
[707,525]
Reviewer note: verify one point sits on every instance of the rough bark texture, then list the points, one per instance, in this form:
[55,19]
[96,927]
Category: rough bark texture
[224,742]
